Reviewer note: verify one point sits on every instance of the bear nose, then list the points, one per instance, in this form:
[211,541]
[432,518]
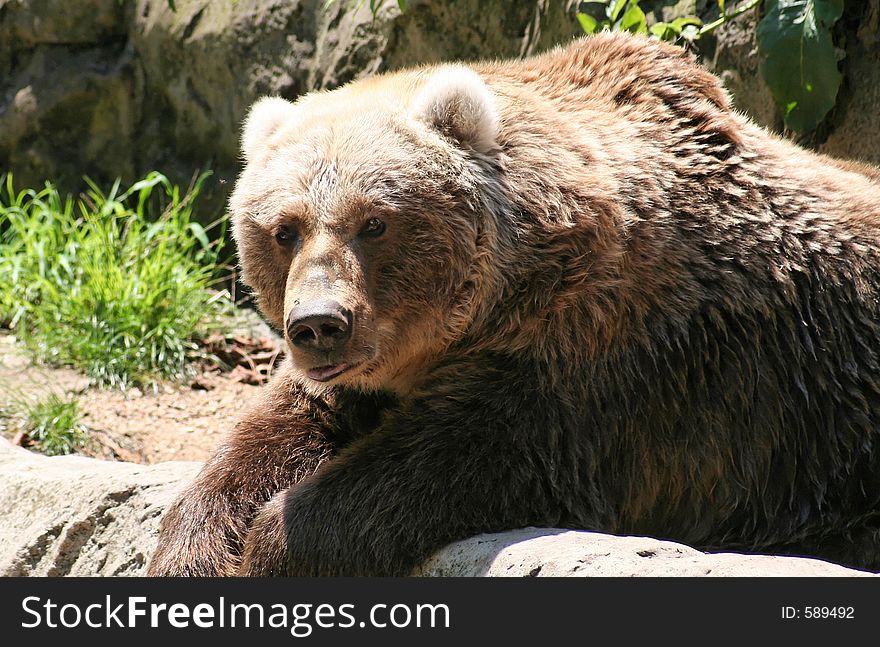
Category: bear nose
[322,326]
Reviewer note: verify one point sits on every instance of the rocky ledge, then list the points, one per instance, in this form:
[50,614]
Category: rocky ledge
[81,516]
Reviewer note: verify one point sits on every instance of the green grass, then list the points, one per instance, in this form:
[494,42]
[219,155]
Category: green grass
[54,424]
[118,284]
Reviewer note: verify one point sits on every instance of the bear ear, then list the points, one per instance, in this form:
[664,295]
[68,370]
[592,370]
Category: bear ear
[455,101]
[263,120]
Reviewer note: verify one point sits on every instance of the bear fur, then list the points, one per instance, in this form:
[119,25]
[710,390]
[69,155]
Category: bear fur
[577,290]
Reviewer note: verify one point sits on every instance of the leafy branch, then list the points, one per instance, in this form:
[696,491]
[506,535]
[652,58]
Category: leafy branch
[798,57]
[727,17]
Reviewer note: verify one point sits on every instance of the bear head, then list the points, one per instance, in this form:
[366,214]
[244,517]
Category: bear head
[360,220]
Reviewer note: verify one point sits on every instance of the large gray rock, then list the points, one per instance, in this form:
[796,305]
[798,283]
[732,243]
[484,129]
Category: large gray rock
[542,552]
[72,515]
[27,23]
[81,516]
[68,101]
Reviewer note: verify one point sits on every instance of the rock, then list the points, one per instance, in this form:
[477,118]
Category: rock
[543,552]
[61,22]
[66,113]
[137,86]
[853,125]
[851,130]
[72,515]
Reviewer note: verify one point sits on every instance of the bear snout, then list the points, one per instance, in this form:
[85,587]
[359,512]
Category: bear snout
[319,326]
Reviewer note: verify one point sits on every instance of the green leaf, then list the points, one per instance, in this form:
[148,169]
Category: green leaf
[659,28]
[799,62]
[588,23]
[633,20]
[680,23]
[402,5]
[664,30]
[199,232]
[615,8]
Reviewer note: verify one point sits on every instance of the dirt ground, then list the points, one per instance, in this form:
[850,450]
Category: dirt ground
[142,425]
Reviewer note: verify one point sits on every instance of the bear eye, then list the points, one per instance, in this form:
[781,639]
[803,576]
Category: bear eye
[285,236]
[373,228]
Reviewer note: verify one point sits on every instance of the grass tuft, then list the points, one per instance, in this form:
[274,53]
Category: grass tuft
[54,423]
[118,284]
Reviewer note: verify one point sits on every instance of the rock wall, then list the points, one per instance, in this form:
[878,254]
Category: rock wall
[108,88]
[104,88]
[852,129]
[71,515]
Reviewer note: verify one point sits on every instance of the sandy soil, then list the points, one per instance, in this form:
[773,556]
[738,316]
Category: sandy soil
[150,425]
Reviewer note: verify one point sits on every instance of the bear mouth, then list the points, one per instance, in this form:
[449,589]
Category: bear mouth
[327,373]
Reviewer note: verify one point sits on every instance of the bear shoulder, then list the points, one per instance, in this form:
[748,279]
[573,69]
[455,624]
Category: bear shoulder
[619,69]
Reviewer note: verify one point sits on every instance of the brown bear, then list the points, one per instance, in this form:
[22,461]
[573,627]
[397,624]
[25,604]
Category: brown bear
[577,290]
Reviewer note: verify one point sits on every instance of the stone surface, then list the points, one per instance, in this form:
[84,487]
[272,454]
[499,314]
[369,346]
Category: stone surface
[72,515]
[542,552]
[851,130]
[855,122]
[61,22]
[142,87]
[81,516]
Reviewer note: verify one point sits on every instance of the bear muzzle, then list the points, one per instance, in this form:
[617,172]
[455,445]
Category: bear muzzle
[320,330]
[319,326]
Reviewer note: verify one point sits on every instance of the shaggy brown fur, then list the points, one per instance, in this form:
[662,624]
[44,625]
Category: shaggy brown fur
[601,299]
